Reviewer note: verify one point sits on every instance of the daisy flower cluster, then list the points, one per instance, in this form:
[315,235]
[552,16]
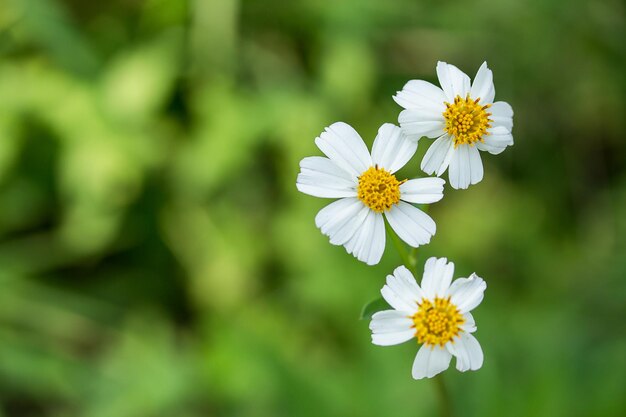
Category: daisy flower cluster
[463,119]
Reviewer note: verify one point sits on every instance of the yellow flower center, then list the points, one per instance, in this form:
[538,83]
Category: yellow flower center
[378,189]
[437,323]
[467,121]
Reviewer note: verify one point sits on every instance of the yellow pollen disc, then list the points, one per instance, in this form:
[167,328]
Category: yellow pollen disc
[437,323]
[467,121]
[378,189]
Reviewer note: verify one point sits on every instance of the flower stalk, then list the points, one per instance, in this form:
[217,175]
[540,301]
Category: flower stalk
[407,259]
[445,409]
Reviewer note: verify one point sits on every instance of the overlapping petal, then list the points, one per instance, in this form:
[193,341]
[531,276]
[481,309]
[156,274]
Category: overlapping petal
[430,361]
[421,95]
[391,327]
[422,190]
[416,124]
[368,243]
[502,115]
[466,167]
[438,156]
[341,219]
[496,141]
[467,293]
[402,291]
[391,150]
[344,146]
[453,81]
[411,224]
[482,87]
[437,277]
[321,177]
[468,353]
[470,324]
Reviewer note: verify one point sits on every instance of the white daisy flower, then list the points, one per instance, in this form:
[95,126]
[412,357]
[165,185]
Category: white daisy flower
[437,314]
[368,188]
[463,118]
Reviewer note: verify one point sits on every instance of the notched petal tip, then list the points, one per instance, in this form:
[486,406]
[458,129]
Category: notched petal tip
[430,261]
[400,269]
[482,282]
[338,124]
[369,262]
[390,126]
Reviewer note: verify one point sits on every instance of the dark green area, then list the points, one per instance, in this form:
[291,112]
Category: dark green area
[157,260]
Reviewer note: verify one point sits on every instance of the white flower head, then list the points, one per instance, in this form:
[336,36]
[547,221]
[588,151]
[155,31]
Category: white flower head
[368,189]
[462,116]
[437,314]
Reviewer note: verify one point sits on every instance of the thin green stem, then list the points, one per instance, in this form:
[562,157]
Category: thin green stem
[399,247]
[444,397]
[414,252]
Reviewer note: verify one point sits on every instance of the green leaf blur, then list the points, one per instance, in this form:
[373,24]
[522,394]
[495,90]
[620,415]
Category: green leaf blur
[157,260]
[378,304]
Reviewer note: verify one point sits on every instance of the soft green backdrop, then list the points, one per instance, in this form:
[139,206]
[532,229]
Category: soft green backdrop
[157,260]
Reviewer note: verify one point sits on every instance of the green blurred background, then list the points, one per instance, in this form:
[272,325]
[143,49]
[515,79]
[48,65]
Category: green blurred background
[157,260]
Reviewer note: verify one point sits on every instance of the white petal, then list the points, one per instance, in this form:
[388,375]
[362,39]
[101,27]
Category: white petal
[483,87]
[416,124]
[422,190]
[391,149]
[391,314]
[391,325]
[501,109]
[353,245]
[341,219]
[411,224]
[343,232]
[320,177]
[465,167]
[343,145]
[430,361]
[496,141]
[422,95]
[377,241]
[388,339]
[438,156]
[476,165]
[454,82]
[467,293]
[470,324]
[458,175]
[391,321]
[402,291]
[350,223]
[501,114]
[468,353]
[437,277]
[368,243]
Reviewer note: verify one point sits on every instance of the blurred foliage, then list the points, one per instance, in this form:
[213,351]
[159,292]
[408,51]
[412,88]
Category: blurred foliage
[156,259]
